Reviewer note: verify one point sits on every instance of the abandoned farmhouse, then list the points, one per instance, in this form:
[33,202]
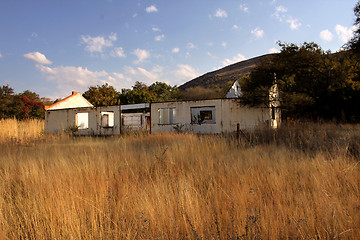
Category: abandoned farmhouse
[224,115]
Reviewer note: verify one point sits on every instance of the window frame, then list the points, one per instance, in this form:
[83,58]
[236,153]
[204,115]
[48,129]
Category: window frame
[80,121]
[110,119]
[197,112]
[171,116]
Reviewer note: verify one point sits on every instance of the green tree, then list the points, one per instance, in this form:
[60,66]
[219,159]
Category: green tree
[104,95]
[312,83]
[164,92]
[139,94]
[8,105]
[22,106]
[354,43]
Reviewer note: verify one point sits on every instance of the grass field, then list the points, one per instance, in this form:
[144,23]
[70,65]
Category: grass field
[300,182]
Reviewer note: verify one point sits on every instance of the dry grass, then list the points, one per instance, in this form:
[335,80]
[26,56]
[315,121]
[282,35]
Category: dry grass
[176,186]
[12,130]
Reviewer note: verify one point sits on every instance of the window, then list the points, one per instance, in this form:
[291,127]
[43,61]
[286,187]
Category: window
[203,115]
[167,116]
[107,119]
[82,120]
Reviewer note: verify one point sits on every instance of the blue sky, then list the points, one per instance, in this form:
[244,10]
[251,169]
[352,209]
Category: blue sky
[55,47]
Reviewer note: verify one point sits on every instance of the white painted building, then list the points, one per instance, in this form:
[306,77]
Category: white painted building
[207,116]
[199,116]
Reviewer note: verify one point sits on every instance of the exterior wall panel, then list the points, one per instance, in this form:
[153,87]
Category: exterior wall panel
[228,113]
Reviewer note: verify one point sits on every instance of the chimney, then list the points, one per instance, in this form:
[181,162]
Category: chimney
[73,92]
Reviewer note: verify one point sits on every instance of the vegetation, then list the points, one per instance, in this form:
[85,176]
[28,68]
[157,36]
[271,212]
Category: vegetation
[354,44]
[313,83]
[106,95]
[21,106]
[272,185]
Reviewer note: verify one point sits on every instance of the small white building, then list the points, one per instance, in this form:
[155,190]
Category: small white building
[207,116]
[223,115]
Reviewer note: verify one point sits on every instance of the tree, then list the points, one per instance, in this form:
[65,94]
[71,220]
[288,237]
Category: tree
[156,92]
[22,106]
[8,106]
[139,94]
[104,95]
[354,43]
[312,83]
[30,108]
[164,92]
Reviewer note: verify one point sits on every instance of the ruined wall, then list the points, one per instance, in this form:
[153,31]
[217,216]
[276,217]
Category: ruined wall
[206,116]
[90,121]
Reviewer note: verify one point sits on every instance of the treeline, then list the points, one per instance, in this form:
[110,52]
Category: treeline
[29,104]
[21,106]
[106,95]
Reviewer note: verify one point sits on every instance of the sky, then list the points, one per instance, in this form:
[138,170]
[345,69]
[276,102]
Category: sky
[54,47]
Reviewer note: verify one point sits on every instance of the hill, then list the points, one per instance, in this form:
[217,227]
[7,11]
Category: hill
[215,84]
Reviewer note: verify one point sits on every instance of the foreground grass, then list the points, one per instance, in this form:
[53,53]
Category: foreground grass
[177,186]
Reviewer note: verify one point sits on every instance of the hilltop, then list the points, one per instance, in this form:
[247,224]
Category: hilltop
[216,83]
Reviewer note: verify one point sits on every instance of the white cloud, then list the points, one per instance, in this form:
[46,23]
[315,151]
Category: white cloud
[97,44]
[274,50]
[151,9]
[244,8]
[159,37]
[294,23]
[118,52]
[224,44]
[156,29]
[175,50]
[235,26]
[145,76]
[119,75]
[326,35]
[191,45]
[185,73]
[151,76]
[257,32]
[345,33]
[141,54]
[239,57]
[220,13]
[78,77]
[69,78]
[1,55]
[279,12]
[38,58]
[113,37]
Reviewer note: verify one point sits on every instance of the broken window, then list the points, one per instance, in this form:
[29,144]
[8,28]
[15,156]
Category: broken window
[203,115]
[82,120]
[167,116]
[107,119]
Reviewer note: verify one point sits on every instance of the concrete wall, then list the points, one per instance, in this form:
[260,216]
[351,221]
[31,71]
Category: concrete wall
[56,121]
[227,114]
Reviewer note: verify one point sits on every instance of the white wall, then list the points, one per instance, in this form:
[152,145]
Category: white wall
[56,121]
[228,113]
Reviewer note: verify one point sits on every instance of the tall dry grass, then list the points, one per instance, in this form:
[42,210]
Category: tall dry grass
[176,186]
[12,130]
